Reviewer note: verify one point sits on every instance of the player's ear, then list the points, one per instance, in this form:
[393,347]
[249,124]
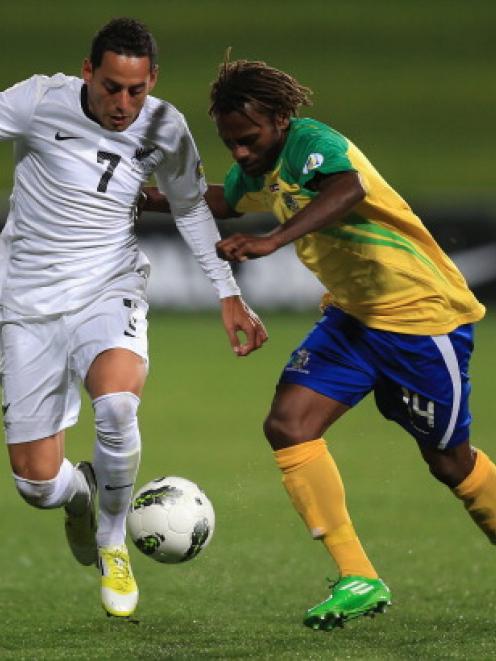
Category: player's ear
[87,70]
[282,122]
[153,77]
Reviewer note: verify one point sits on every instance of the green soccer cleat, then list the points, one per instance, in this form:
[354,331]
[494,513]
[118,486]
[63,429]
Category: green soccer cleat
[119,590]
[351,596]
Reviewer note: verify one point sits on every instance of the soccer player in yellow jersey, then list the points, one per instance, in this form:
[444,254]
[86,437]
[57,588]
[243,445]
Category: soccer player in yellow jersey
[397,316]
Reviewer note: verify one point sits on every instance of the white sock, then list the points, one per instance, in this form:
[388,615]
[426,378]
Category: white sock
[116,462]
[67,488]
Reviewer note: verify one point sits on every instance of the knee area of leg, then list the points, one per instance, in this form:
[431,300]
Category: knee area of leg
[116,411]
[444,471]
[37,493]
[278,431]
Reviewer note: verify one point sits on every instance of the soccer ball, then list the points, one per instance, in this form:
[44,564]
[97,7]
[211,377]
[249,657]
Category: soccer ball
[170,519]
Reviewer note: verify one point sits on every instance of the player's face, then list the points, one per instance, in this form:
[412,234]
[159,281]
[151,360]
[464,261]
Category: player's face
[118,88]
[255,140]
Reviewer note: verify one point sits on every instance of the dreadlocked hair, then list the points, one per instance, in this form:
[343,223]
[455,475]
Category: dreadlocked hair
[270,91]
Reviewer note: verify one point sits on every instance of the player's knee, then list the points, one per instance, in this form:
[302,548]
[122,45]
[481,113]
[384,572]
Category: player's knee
[446,470]
[450,466]
[116,417]
[116,410]
[283,431]
[38,493]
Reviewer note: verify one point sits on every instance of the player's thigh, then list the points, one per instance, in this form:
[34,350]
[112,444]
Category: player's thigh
[425,386]
[299,414]
[328,373]
[109,348]
[116,370]
[40,393]
[37,460]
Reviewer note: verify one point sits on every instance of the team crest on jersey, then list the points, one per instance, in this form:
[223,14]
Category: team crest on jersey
[290,202]
[299,361]
[274,188]
[313,162]
[144,159]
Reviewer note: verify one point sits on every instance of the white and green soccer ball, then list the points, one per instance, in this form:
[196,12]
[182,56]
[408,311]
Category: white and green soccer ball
[170,519]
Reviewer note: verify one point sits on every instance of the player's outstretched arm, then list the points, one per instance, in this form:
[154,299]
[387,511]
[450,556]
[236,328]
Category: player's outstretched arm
[338,194]
[238,318]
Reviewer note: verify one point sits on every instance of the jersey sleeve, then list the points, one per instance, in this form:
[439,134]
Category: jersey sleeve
[318,149]
[200,232]
[180,174]
[17,105]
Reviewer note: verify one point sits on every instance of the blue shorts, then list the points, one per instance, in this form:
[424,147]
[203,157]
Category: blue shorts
[419,381]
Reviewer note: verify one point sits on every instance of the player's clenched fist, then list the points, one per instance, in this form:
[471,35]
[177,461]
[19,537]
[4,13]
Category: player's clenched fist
[240,247]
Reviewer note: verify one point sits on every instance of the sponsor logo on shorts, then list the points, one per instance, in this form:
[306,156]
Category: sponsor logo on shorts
[299,361]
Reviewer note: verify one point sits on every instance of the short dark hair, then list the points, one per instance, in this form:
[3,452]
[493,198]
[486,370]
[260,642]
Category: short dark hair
[268,90]
[124,36]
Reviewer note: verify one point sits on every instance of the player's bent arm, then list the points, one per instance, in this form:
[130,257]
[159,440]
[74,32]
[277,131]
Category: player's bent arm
[338,195]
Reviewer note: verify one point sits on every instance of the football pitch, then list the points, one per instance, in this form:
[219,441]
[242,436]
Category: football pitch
[245,595]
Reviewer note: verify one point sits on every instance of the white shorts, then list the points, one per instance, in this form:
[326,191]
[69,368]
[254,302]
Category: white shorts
[45,361]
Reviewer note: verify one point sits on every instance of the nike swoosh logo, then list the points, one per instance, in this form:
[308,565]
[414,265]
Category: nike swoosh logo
[108,487]
[59,136]
[5,408]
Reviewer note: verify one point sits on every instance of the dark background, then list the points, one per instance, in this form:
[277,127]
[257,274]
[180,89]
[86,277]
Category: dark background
[412,83]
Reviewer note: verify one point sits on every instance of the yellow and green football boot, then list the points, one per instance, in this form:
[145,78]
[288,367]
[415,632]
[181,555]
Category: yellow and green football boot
[119,590]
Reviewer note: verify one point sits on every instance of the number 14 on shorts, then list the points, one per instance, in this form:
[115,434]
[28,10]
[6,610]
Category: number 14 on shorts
[415,402]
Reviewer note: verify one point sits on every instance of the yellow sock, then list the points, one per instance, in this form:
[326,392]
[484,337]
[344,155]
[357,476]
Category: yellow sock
[314,485]
[478,492]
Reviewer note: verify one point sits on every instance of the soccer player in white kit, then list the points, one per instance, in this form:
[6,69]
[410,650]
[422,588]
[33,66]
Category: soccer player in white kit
[73,304]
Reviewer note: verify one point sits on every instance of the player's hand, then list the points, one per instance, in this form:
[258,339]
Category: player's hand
[155,200]
[240,247]
[239,317]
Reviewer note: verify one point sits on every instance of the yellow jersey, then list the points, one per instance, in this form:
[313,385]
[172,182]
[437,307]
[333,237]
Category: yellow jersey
[379,264]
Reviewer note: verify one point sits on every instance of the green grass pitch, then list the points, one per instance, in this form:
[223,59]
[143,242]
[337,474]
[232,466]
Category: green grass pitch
[245,595]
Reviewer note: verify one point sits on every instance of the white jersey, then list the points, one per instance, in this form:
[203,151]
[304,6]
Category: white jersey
[69,234]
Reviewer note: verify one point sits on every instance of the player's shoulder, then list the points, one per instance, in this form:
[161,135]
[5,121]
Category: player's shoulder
[162,123]
[305,131]
[162,112]
[27,97]
[313,146]
[38,84]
